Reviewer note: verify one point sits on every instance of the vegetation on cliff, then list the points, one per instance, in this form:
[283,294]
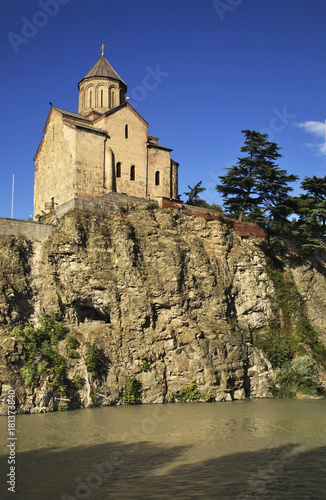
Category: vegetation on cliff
[257,190]
[41,344]
[291,343]
[171,301]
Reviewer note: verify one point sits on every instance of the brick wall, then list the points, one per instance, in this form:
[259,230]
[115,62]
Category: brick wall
[243,229]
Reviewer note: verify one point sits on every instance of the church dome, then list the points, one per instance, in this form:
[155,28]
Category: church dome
[101,89]
[103,69]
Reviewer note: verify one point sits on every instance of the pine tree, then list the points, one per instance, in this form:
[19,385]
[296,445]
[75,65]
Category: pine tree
[316,189]
[193,194]
[310,207]
[255,184]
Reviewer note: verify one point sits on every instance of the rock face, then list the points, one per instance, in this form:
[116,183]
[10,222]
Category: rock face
[181,293]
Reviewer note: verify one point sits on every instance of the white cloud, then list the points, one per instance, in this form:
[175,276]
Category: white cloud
[318,130]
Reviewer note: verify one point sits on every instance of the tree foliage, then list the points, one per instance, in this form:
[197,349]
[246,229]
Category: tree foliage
[193,194]
[255,189]
[309,227]
[132,391]
[95,360]
[255,186]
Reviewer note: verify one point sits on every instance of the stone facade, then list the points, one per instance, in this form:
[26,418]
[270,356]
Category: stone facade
[103,148]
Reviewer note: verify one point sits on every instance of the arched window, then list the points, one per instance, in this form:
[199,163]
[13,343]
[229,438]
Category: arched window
[90,97]
[112,99]
[101,96]
[157,178]
[118,170]
[126,132]
[132,172]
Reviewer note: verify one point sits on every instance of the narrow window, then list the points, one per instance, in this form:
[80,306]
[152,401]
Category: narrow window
[132,172]
[157,178]
[126,132]
[52,203]
[118,170]
[101,98]
[112,100]
[90,99]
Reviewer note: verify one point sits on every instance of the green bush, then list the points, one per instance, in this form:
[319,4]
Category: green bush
[297,377]
[144,366]
[132,392]
[16,333]
[94,360]
[279,345]
[42,342]
[78,382]
[308,336]
[72,354]
[62,390]
[72,342]
[208,396]
[188,393]
[50,329]
[191,393]
[41,368]
[29,372]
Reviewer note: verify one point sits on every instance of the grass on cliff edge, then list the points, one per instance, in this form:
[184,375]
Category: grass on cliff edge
[292,344]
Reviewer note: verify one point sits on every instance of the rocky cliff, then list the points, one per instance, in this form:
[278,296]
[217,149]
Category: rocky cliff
[165,297]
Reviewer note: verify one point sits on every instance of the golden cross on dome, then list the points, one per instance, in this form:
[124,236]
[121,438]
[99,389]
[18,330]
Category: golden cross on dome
[102,48]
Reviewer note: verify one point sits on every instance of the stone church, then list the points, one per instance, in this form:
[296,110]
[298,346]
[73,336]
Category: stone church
[104,148]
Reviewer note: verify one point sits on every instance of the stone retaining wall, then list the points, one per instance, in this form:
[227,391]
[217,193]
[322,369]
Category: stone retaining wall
[107,203]
[31,230]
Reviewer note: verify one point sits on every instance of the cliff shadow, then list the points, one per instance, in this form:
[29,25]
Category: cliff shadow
[123,471]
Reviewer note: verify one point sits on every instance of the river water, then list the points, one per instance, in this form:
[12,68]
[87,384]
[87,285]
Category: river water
[266,449]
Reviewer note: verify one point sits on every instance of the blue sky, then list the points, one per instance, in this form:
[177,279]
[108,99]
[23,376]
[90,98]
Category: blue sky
[224,66]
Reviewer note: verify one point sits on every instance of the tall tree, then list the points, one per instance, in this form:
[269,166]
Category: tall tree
[311,209]
[316,188]
[193,194]
[255,182]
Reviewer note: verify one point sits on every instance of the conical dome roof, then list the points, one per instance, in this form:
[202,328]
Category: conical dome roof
[103,69]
